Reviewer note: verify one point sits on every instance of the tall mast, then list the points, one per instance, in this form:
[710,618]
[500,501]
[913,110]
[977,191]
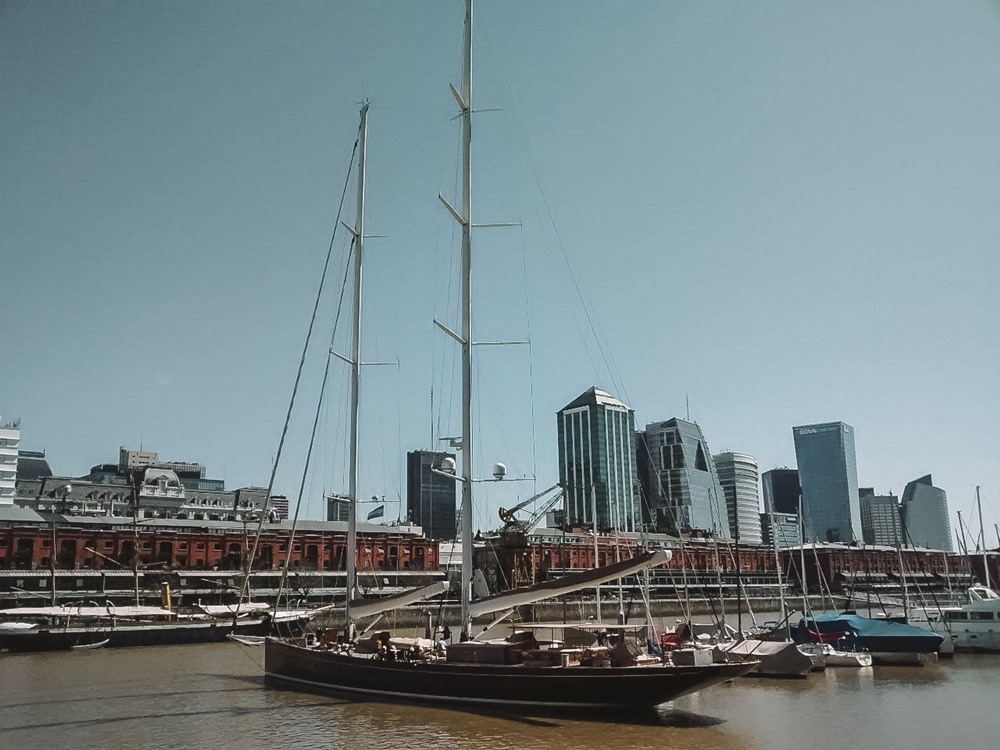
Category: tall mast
[982,539]
[802,561]
[778,563]
[467,454]
[359,244]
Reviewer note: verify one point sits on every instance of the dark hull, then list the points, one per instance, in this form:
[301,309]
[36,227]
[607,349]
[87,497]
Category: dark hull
[290,664]
[151,634]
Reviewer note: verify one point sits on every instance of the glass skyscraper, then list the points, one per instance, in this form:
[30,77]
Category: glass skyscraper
[430,497]
[780,519]
[880,518]
[597,461]
[781,490]
[681,488]
[828,474]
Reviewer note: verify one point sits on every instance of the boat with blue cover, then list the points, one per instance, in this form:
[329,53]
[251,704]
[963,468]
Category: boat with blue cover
[888,642]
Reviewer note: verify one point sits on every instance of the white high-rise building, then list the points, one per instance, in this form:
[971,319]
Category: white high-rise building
[740,479]
[10,442]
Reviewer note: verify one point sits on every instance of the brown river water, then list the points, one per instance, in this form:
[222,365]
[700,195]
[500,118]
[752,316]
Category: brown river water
[212,697]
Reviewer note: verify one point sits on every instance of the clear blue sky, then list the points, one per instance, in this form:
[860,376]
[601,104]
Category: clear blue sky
[785,212]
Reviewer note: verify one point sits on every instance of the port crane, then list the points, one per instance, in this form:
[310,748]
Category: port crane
[512,523]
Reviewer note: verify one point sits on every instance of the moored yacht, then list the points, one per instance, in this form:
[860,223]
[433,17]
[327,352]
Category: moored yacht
[516,671]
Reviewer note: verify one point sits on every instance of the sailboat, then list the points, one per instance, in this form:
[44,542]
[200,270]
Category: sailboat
[517,671]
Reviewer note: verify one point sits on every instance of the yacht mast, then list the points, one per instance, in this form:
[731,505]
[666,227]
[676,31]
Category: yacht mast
[466,220]
[359,242]
[982,539]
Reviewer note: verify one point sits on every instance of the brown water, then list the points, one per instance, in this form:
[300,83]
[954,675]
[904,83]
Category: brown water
[212,697]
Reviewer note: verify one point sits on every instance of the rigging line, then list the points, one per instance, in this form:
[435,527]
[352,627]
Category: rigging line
[449,566]
[439,371]
[295,387]
[312,437]
[531,376]
[601,346]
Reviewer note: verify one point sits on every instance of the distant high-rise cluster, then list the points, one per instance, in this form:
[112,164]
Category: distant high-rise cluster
[661,479]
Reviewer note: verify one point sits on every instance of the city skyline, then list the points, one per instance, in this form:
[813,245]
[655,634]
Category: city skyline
[795,210]
[735,477]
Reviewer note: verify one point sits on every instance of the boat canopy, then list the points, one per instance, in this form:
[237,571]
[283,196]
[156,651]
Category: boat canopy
[866,627]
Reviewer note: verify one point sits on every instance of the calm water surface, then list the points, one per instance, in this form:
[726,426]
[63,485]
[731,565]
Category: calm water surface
[213,696]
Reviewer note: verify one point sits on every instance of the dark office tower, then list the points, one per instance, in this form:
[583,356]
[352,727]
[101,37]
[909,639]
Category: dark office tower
[681,490]
[781,491]
[739,477]
[828,473]
[880,518]
[925,513]
[338,508]
[597,461]
[430,497]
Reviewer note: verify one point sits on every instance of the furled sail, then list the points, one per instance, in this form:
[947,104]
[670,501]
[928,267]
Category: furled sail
[369,607]
[568,584]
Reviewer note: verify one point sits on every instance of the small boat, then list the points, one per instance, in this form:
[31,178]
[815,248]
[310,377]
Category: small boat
[61,628]
[247,640]
[818,656]
[777,658]
[90,646]
[834,658]
[855,659]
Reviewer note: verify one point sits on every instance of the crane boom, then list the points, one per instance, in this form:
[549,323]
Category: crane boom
[507,514]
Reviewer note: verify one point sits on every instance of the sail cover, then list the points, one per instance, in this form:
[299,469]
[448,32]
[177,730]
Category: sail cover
[369,607]
[568,584]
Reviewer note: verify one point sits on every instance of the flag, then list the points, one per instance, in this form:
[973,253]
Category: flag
[377,513]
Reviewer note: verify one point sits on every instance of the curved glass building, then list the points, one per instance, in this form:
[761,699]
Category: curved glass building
[925,515]
[739,476]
